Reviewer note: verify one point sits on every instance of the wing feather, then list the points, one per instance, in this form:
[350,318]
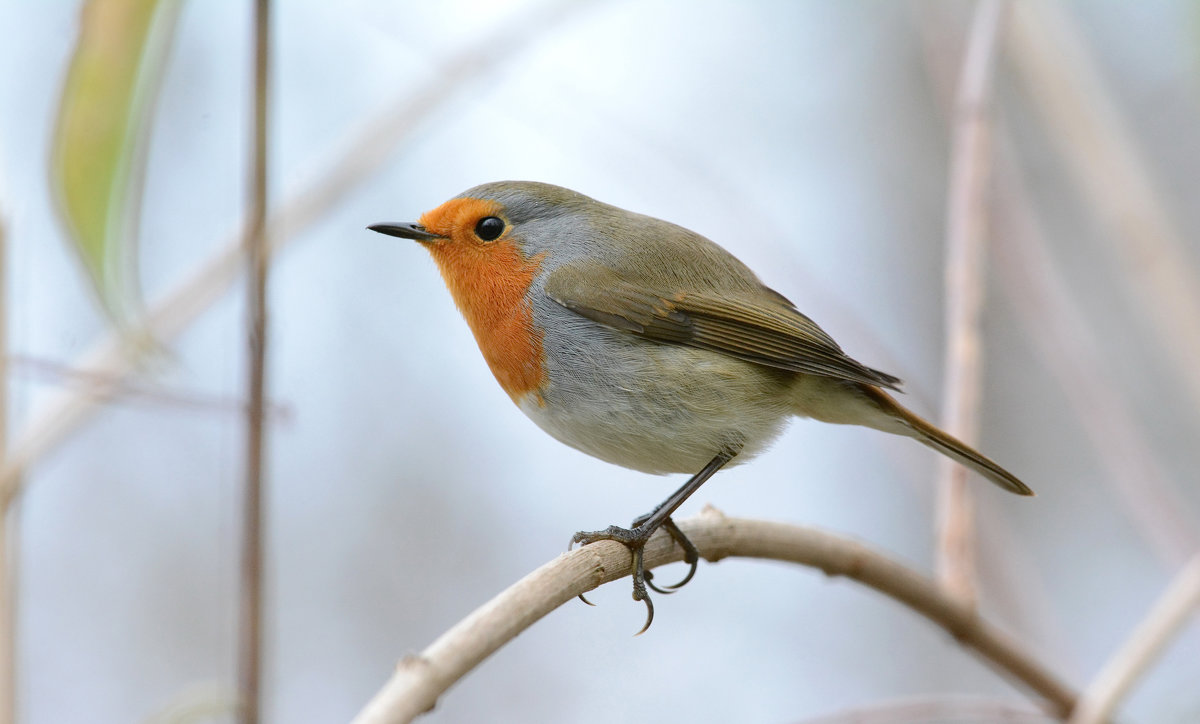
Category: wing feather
[760,328]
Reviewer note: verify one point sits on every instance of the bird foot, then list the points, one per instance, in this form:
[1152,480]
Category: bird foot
[635,539]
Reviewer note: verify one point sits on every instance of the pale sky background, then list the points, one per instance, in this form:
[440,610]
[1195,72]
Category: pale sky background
[406,489]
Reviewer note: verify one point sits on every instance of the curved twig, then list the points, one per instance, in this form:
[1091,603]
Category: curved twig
[419,680]
[936,708]
[1180,601]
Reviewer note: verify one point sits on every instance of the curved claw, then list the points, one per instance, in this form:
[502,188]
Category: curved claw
[667,591]
[649,616]
[691,556]
[581,597]
[674,587]
[639,588]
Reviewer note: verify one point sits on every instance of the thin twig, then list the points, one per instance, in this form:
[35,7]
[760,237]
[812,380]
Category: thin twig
[9,529]
[1180,601]
[421,679]
[934,709]
[998,548]
[966,232]
[250,644]
[353,162]
[123,390]
[10,577]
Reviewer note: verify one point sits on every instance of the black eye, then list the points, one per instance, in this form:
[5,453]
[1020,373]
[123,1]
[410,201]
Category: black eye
[489,228]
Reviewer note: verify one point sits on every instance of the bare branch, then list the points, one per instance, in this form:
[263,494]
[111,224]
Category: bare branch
[1180,601]
[9,528]
[966,234]
[121,389]
[250,604]
[937,708]
[419,680]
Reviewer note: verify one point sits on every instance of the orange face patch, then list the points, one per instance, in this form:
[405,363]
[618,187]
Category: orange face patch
[458,216]
[489,280]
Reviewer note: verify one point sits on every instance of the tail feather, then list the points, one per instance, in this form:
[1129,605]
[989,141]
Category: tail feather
[943,442]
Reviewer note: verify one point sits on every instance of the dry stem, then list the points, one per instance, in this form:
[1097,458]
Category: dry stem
[936,708]
[1149,638]
[250,609]
[8,521]
[126,390]
[966,232]
[419,680]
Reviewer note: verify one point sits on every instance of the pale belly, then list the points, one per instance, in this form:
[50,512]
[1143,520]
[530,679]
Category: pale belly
[653,407]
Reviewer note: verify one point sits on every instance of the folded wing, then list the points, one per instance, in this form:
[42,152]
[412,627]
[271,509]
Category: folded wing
[763,328]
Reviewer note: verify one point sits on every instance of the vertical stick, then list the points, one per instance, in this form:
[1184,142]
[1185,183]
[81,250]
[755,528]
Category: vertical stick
[251,610]
[8,523]
[966,232]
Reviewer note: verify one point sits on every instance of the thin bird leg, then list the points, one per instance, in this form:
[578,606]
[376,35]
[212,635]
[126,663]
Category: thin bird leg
[644,527]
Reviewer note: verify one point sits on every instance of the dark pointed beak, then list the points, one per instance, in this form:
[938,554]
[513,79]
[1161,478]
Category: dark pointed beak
[406,231]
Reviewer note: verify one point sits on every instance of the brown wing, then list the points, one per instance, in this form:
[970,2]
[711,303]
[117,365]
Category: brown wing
[761,328]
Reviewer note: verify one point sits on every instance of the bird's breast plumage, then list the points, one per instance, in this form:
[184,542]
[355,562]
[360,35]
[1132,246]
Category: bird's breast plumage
[490,285]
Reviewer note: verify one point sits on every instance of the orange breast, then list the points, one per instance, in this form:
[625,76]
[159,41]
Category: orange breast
[488,283]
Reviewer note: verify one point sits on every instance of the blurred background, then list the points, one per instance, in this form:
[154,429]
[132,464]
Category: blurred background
[808,138]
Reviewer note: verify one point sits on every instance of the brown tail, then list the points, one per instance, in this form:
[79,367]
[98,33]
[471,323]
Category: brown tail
[943,442]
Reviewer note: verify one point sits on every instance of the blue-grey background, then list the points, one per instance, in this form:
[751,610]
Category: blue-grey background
[805,137]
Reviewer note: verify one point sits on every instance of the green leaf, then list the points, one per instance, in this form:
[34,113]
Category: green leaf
[103,127]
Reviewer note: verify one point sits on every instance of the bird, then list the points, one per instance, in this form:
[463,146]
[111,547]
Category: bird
[647,345]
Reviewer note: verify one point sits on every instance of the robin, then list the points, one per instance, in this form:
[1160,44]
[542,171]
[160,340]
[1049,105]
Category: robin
[647,345]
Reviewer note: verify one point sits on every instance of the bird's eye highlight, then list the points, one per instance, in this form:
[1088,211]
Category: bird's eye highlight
[489,228]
